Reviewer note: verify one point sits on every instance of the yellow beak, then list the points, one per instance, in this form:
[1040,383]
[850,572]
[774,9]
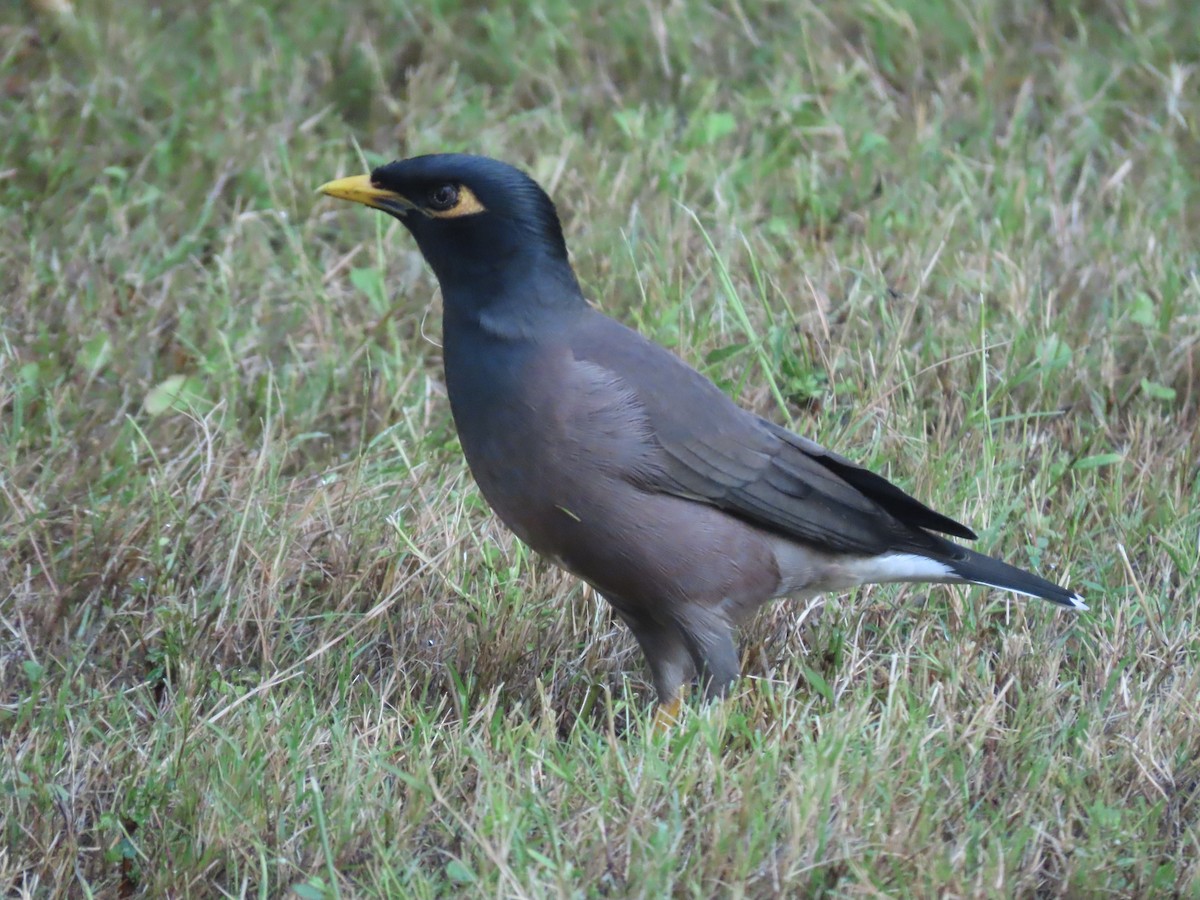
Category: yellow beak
[358,189]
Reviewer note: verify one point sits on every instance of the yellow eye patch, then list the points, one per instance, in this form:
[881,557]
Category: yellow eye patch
[468,205]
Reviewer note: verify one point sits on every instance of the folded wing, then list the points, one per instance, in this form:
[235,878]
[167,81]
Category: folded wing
[710,450]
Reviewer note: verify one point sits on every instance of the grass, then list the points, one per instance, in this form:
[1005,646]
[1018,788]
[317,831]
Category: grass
[259,635]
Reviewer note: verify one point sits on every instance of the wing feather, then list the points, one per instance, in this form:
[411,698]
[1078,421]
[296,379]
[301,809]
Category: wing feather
[706,448]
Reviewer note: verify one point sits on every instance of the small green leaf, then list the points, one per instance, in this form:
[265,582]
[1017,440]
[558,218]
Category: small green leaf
[1142,310]
[458,872]
[818,683]
[870,142]
[181,393]
[313,889]
[717,125]
[95,353]
[125,849]
[1158,391]
[33,670]
[1164,877]
[778,226]
[369,280]
[1054,354]
[630,122]
[723,353]
[1098,460]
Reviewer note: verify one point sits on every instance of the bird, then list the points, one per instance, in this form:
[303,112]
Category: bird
[608,455]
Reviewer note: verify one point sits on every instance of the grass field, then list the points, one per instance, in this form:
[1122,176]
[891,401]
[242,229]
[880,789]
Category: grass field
[260,636]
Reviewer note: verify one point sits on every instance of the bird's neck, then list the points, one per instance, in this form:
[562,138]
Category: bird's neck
[512,299]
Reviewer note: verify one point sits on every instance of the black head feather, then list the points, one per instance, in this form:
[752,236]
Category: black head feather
[517,219]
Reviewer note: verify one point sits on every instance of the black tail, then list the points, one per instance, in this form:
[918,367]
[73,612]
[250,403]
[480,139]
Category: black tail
[971,566]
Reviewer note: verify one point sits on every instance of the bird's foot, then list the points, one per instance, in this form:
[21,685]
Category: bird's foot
[666,716]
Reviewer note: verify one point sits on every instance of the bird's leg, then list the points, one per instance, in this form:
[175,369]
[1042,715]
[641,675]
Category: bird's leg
[670,660]
[709,640]
[715,658]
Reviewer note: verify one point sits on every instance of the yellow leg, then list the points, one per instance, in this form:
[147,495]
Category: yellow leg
[666,716]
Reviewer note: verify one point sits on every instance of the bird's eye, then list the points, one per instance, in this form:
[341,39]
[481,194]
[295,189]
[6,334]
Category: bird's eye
[444,197]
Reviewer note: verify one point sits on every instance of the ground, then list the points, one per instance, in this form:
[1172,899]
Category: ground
[259,634]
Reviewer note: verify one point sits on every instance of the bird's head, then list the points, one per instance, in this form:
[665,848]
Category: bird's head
[485,227]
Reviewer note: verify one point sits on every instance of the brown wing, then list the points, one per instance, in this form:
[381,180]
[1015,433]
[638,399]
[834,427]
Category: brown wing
[712,451]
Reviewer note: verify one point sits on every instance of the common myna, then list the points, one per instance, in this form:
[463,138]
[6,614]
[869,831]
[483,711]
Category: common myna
[613,458]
